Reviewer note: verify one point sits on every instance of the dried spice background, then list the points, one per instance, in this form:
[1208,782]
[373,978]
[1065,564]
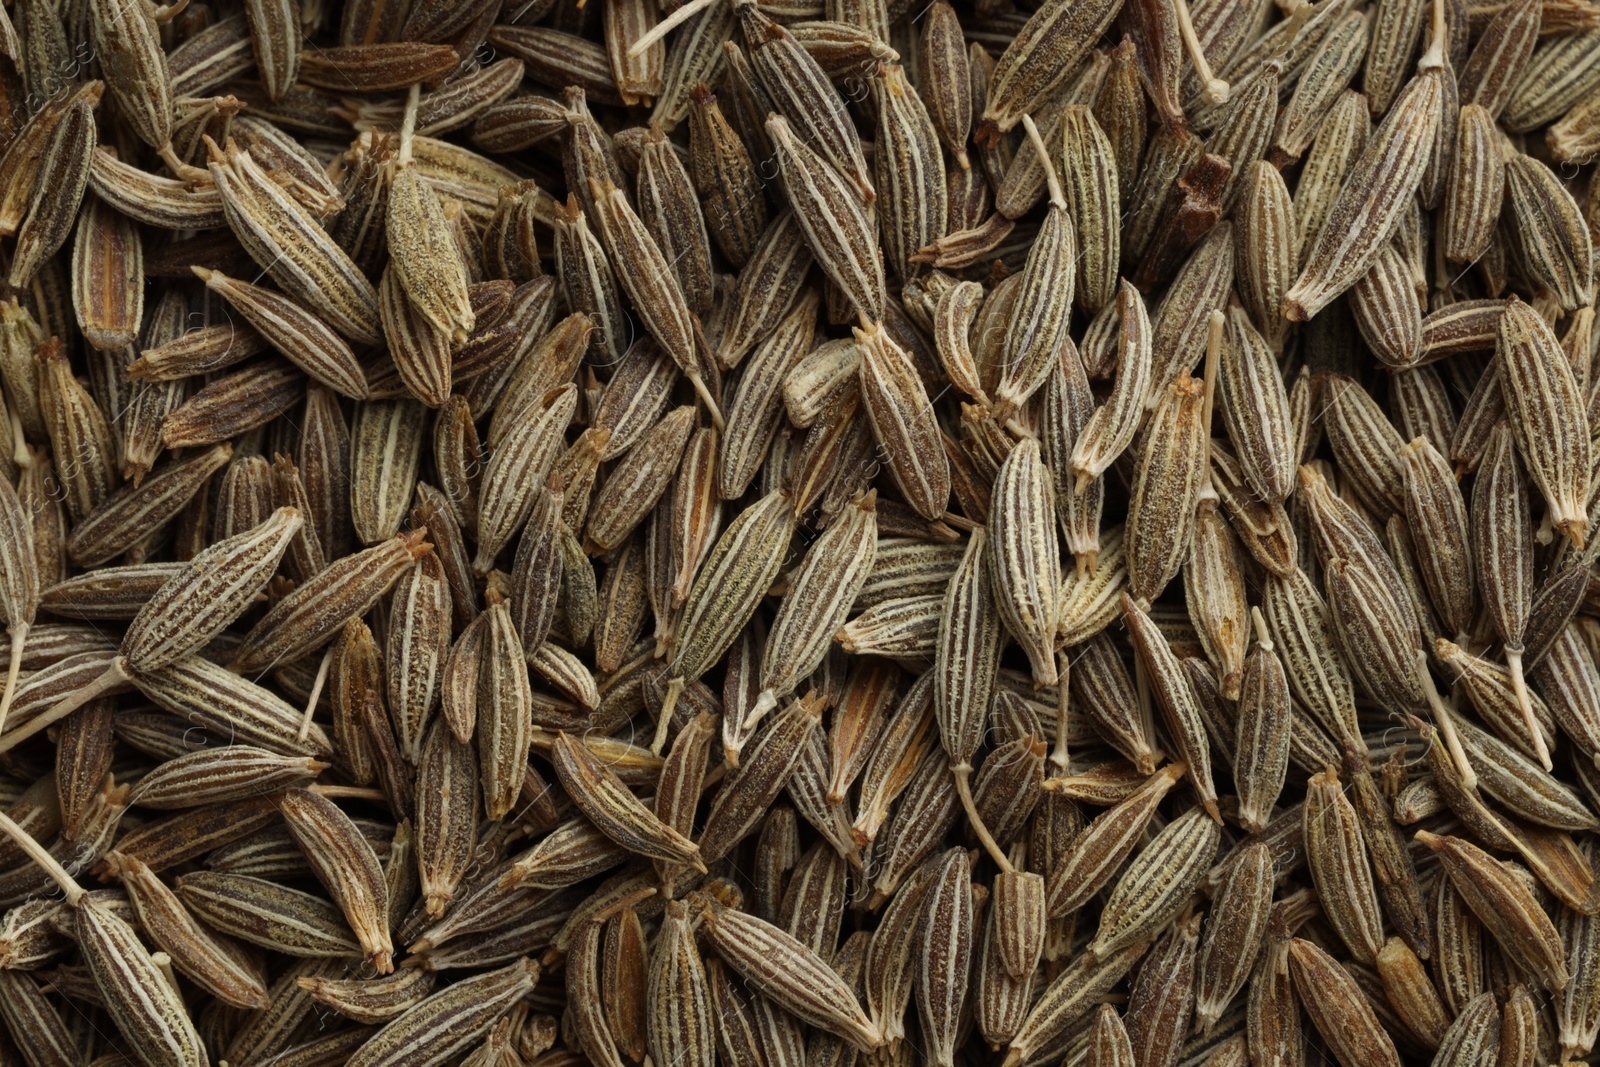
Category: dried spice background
[822,533]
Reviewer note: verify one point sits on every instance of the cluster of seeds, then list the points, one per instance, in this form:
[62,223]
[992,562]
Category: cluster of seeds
[821,533]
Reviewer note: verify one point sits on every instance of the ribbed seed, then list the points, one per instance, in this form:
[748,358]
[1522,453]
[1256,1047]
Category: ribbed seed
[449,1022]
[1024,561]
[311,615]
[1235,931]
[908,170]
[971,635]
[288,242]
[1101,848]
[765,767]
[1505,906]
[679,1017]
[1157,884]
[1042,55]
[1067,1000]
[600,795]
[790,974]
[755,412]
[1112,427]
[1214,590]
[148,1011]
[447,816]
[833,219]
[821,594]
[265,913]
[1554,239]
[725,177]
[903,421]
[1337,853]
[1378,187]
[1337,1007]
[216,965]
[944,952]
[123,518]
[800,92]
[1162,998]
[1546,415]
[1176,699]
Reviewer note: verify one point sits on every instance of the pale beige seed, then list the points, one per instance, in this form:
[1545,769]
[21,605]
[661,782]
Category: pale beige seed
[153,199]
